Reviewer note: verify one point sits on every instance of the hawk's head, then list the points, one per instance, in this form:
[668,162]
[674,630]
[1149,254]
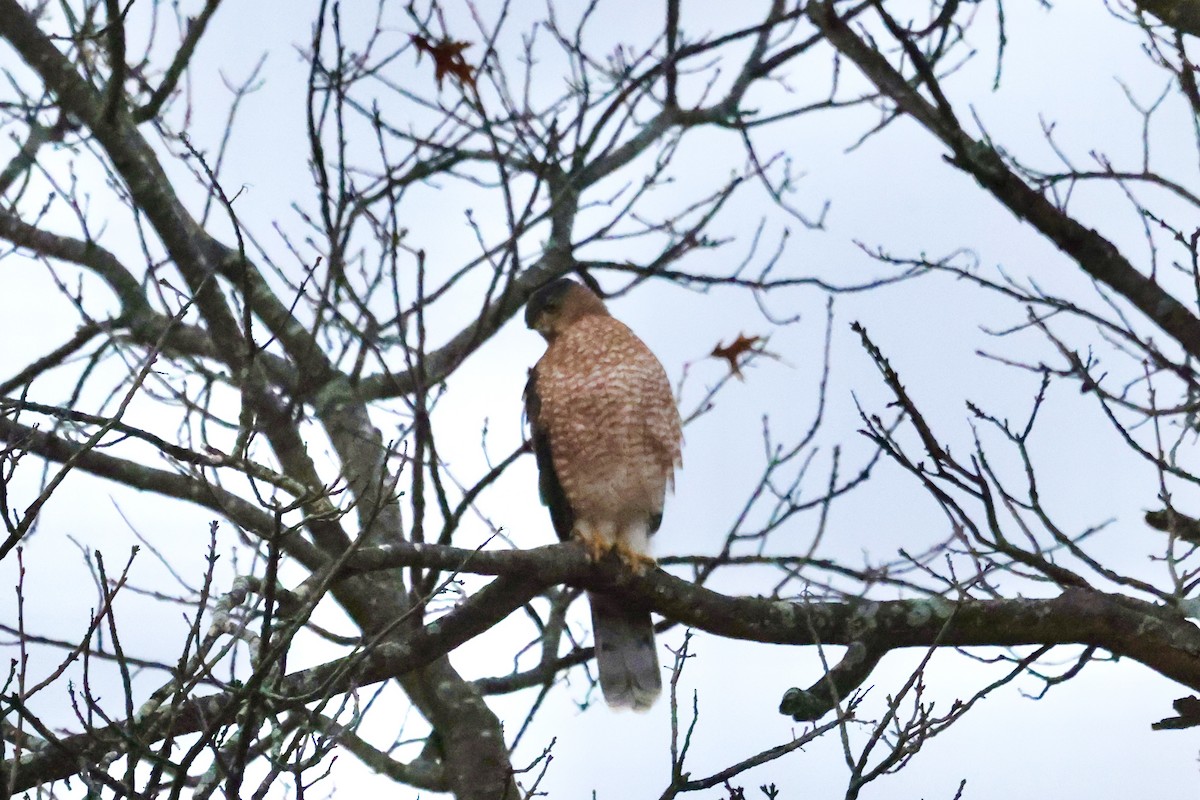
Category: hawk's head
[553,308]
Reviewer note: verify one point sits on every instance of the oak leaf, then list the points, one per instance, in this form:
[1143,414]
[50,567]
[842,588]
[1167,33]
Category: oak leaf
[734,350]
[447,56]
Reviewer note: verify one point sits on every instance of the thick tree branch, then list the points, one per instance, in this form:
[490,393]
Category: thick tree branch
[1157,637]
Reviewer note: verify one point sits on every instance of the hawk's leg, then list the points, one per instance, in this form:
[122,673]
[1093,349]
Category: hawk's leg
[638,562]
[594,544]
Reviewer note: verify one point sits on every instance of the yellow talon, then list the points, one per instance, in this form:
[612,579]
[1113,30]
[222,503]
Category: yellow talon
[639,563]
[595,546]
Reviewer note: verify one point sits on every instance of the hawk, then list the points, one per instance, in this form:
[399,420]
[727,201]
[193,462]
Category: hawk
[607,436]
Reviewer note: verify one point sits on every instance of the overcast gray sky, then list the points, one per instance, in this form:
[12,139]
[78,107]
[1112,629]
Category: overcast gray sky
[1088,738]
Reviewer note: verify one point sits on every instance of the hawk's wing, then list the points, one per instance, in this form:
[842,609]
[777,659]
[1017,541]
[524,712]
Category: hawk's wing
[550,489]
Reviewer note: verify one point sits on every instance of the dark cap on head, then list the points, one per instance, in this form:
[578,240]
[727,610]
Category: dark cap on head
[559,305]
[546,298]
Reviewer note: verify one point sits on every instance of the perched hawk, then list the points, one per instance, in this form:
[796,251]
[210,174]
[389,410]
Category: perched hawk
[606,434]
